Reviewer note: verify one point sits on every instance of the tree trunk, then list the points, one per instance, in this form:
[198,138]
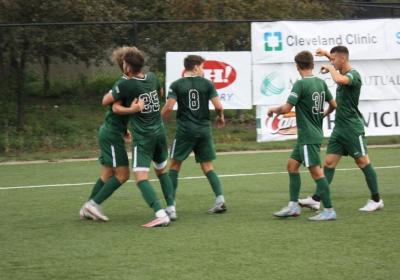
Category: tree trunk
[18,66]
[46,74]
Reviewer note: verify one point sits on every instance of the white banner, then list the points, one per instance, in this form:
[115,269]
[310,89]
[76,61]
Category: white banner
[229,71]
[272,83]
[380,118]
[278,42]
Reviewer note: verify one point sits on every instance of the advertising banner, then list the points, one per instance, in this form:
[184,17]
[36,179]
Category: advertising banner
[229,71]
[278,42]
[272,83]
[380,118]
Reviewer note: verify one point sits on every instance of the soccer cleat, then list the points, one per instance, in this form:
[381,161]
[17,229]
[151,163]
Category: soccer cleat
[94,209]
[218,208]
[158,222]
[309,202]
[325,215]
[372,206]
[83,214]
[171,212]
[292,210]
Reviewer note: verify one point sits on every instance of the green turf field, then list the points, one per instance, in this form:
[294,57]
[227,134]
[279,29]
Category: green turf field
[41,236]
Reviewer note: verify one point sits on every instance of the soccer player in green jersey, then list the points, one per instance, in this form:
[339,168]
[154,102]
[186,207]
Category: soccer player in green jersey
[308,96]
[113,157]
[348,136]
[193,93]
[149,137]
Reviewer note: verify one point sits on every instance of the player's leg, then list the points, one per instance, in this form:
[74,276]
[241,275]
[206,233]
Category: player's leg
[181,148]
[143,151]
[160,160]
[334,153]
[293,165]
[204,152]
[359,147]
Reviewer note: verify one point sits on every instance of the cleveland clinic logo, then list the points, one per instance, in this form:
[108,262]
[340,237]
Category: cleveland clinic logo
[273,41]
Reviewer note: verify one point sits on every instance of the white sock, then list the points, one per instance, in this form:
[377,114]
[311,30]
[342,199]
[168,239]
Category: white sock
[161,213]
[293,203]
[219,199]
[171,208]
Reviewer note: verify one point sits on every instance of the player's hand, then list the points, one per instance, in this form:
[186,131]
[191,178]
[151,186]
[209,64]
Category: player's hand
[128,137]
[220,122]
[320,52]
[137,105]
[270,113]
[325,68]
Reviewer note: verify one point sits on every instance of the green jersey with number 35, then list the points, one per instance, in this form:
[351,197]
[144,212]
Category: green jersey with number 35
[308,96]
[192,95]
[148,121]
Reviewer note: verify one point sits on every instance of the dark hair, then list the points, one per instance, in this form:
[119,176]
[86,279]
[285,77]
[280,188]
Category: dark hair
[340,49]
[191,61]
[304,60]
[135,58]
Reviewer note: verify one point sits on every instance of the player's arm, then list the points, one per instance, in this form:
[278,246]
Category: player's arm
[137,105]
[168,108]
[219,110]
[336,76]
[108,99]
[332,106]
[322,52]
[283,109]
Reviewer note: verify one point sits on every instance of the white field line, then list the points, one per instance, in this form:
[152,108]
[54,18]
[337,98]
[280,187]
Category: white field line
[190,178]
[219,154]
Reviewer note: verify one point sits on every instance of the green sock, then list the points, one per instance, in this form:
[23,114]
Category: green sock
[328,172]
[372,181]
[323,189]
[107,190]
[173,175]
[214,182]
[294,186]
[96,188]
[149,195]
[167,188]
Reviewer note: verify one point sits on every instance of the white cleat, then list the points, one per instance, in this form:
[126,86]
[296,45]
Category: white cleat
[292,210]
[324,215]
[83,214]
[94,209]
[161,220]
[309,202]
[372,206]
[171,212]
[218,208]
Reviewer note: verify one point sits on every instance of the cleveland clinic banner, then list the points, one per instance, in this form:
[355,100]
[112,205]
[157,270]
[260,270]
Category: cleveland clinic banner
[278,42]
[380,118]
[229,71]
[272,83]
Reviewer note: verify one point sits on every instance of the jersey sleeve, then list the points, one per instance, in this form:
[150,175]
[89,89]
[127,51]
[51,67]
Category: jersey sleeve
[355,79]
[212,91]
[118,91]
[172,91]
[294,95]
[328,94]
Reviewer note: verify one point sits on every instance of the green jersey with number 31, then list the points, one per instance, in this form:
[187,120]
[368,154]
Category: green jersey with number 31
[148,121]
[308,96]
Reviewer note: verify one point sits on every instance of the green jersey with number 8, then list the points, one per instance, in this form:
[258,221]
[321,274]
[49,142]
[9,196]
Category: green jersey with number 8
[309,95]
[148,121]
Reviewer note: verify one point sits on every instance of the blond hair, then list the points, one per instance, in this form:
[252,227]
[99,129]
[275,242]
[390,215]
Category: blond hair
[119,53]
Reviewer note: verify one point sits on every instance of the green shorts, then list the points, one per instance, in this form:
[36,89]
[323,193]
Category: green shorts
[149,148]
[308,154]
[112,148]
[347,144]
[201,144]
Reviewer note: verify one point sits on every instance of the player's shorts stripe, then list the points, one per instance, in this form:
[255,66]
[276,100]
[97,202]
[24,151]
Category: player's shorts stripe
[114,160]
[306,158]
[361,145]
[136,169]
[173,149]
[161,165]
[134,157]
